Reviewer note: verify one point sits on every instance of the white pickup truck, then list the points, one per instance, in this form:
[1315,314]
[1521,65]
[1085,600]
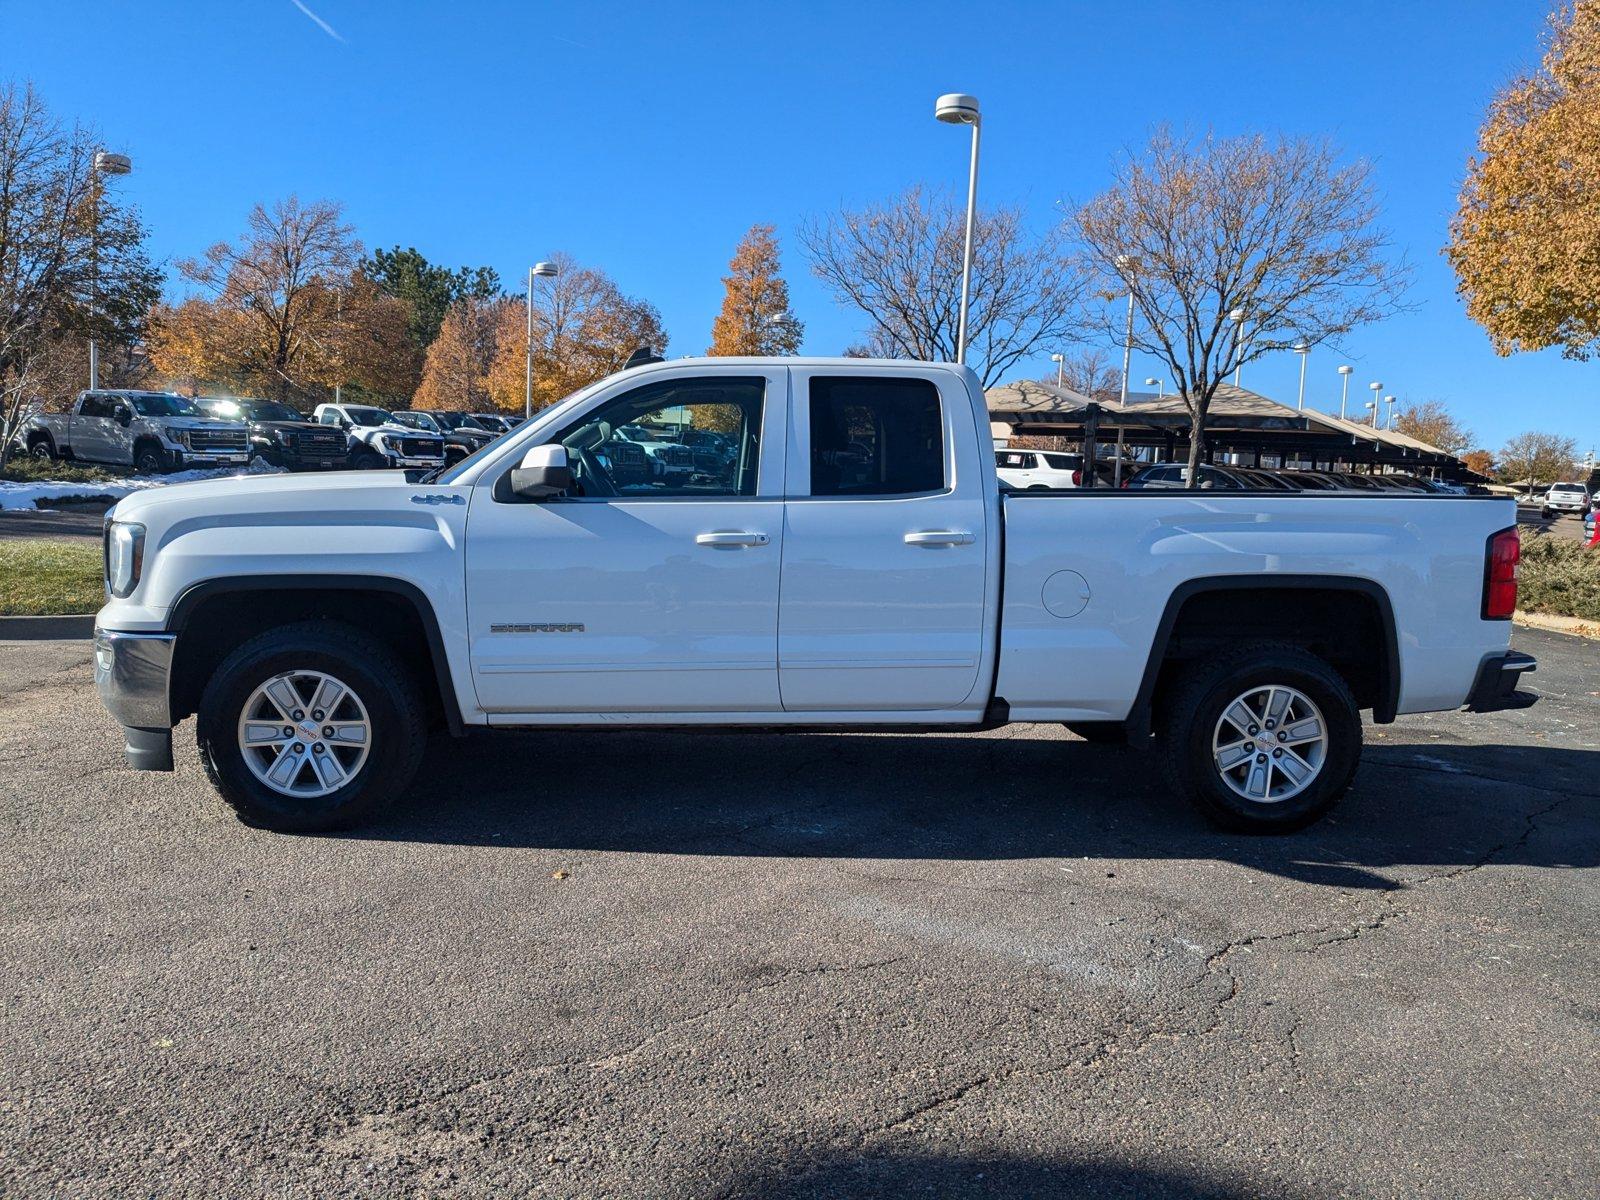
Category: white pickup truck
[852,565]
[148,431]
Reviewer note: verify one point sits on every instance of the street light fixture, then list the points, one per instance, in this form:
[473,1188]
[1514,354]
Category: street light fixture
[1060,361]
[1237,317]
[1160,385]
[955,108]
[1375,387]
[543,270]
[1304,351]
[1388,418]
[105,163]
[1344,387]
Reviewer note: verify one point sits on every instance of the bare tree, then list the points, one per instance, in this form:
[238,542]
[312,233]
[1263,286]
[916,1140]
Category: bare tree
[1089,372]
[900,264]
[276,290]
[1536,458]
[1197,229]
[72,259]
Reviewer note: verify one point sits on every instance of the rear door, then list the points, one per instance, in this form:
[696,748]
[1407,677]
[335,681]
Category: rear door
[885,548]
[89,433]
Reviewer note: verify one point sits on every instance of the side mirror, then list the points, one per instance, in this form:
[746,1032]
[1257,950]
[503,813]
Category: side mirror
[544,472]
[124,417]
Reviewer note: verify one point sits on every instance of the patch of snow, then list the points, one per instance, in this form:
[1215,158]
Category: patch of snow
[25,497]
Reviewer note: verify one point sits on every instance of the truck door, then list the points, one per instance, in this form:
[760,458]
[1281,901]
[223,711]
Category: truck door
[884,550]
[89,429]
[653,588]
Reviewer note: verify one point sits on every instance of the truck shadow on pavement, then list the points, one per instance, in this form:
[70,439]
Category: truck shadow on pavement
[1029,793]
[892,1175]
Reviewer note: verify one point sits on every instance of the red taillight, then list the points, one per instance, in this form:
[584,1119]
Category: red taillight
[1127,481]
[1500,575]
[1077,479]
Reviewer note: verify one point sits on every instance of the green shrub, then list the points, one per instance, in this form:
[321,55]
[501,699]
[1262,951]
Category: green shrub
[1560,577]
[22,469]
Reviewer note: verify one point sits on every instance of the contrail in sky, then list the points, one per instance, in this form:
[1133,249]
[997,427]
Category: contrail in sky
[321,24]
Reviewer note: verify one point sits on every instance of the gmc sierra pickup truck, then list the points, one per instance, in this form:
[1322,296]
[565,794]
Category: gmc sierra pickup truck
[148,431]
[851,565]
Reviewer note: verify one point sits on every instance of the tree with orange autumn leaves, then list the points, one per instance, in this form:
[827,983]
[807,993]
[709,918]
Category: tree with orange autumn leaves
[755,317]
[284,312]
[1527,232]
[584,328]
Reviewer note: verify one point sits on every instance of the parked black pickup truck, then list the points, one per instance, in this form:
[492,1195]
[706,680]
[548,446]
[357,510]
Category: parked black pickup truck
[280,435]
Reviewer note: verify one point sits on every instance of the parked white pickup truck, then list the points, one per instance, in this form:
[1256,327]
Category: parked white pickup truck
[852,566]
[148,431]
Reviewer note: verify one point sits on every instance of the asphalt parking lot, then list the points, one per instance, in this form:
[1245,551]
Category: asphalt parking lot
[804,965]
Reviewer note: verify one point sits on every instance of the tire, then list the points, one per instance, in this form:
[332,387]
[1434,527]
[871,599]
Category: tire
[1100,733]
[1544,514]
[150,459]
[1193,716]
[380,765]
[369,460]
[43,449]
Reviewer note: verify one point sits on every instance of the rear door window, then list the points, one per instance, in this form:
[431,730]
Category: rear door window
[875,436]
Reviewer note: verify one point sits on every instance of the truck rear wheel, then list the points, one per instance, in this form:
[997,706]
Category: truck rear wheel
[311,727]
[1263,738]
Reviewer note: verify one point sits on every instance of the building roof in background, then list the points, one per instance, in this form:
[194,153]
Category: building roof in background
[1233,409]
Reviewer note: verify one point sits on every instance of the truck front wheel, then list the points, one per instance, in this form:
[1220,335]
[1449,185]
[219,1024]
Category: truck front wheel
[1263,738]
[311,727]
[150,459]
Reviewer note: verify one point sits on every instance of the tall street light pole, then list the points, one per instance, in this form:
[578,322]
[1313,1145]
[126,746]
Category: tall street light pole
[957,109]
[1127,265]
[1060,361]
[1304,351]
[1388,417]
[1344,387]
[1237,317]
[545,270]
[105,163]
[1376,388]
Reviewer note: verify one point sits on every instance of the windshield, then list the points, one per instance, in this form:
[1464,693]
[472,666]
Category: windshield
[1575,488]
[266,410]
[451,420]
[451,474]
[162,406]
[415,420]
[362,415]
[487,424]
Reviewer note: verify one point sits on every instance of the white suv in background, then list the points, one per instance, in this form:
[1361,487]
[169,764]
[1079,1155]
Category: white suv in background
[1565,498]
[1039,468]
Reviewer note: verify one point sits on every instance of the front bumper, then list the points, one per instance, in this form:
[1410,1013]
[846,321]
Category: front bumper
[1496,685]
[429,464]
[191,458]
[131,673]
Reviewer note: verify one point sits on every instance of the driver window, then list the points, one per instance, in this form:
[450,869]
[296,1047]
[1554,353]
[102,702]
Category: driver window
[681,437]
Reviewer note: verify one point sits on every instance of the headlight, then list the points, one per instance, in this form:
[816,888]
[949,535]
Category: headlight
[124,557]
[280,435]
[182,437]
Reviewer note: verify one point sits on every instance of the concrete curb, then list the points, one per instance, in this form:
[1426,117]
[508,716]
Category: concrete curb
[1573,626]
[47,629]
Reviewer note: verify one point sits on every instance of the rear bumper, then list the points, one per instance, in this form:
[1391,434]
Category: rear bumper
[131,673]
[1496,685]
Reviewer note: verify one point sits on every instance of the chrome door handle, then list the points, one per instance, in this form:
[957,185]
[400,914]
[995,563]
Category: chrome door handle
[733,537]
[940,537]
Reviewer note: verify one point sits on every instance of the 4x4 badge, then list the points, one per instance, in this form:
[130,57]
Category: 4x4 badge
[436,498]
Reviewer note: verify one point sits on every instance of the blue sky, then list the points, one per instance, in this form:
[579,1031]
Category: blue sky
[645,138]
